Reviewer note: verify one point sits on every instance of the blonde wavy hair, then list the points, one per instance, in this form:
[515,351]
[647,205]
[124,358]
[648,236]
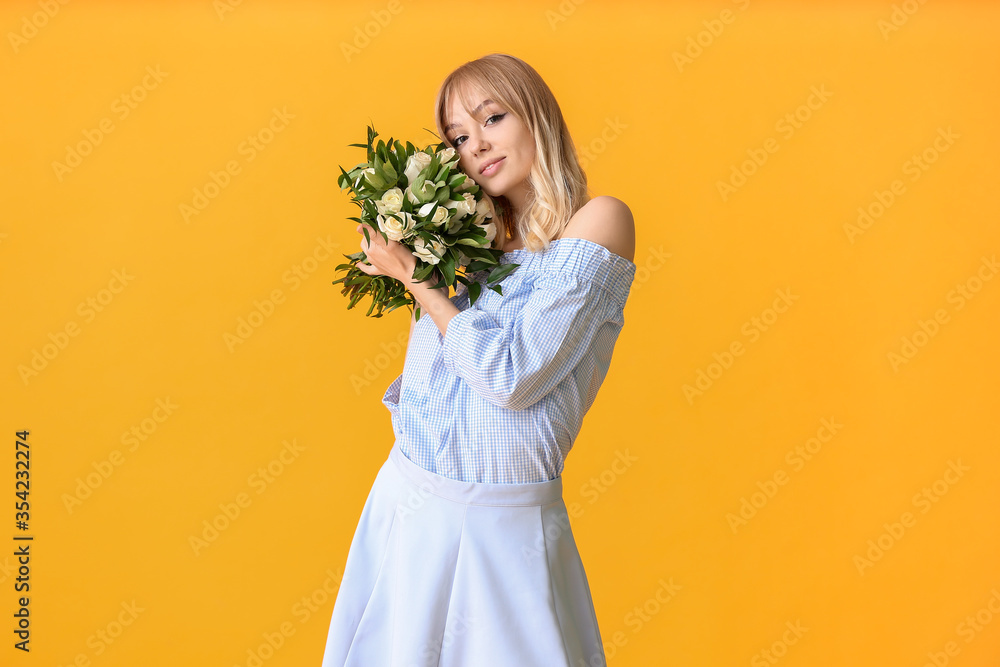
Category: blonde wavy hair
[557,182]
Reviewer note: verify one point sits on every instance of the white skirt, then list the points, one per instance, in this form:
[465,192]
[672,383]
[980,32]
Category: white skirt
[445,573]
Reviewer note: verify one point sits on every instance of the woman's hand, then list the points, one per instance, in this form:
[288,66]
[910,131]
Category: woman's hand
[390,258]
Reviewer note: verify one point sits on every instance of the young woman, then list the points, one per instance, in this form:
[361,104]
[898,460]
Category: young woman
[463,555]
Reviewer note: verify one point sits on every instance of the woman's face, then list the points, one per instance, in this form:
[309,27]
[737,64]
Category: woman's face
[492,136]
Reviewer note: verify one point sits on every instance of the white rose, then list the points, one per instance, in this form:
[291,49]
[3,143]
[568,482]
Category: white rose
[428,191]
[446,155]
[484,209]
[412,198]
[391,201]
[375,179]
[464,185]
[421,250]
[367,174]
[440,213]
[466,206]
[415,164]
[395,229]
[490,229]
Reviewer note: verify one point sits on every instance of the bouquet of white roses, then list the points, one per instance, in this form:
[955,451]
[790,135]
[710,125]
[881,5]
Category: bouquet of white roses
[421,199]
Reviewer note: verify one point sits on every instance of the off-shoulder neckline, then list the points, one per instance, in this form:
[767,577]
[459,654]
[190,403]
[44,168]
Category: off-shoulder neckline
[593,244]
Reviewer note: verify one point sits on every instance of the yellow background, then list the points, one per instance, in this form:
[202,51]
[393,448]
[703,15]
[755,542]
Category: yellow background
[661,136]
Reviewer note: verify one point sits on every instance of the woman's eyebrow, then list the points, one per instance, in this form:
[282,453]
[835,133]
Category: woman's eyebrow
[474,112]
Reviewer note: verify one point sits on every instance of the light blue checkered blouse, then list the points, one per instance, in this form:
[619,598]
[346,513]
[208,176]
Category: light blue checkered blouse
[501,396]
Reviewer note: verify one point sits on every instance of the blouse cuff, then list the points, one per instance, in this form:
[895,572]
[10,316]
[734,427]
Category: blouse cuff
[454,333]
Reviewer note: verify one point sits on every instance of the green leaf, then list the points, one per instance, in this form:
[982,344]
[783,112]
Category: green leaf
[420,274]
[478,240]
[447,266]
[474,291]
[478,265]
[501,272]
[391,175]
[439,284]
[443,195]
[478,253]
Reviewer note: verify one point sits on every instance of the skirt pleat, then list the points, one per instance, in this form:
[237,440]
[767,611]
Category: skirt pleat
[445,573]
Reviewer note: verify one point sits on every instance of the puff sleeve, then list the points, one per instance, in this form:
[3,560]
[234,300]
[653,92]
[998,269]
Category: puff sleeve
[514,365]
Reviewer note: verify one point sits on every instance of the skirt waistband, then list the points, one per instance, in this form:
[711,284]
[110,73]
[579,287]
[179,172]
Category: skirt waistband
[477,493]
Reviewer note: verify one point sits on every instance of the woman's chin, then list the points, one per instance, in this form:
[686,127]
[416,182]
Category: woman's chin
[487,190]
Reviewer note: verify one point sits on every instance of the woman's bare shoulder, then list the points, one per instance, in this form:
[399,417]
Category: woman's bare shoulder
[608,221]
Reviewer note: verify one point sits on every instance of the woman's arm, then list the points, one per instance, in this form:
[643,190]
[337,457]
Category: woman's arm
[395,260]
[515,364]
[434,303]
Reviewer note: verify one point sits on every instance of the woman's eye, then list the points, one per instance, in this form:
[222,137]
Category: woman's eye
[458,140]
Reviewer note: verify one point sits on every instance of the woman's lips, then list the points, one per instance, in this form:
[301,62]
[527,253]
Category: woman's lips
[492,168]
